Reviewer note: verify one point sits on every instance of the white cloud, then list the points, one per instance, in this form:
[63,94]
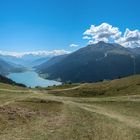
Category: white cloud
[74,45]
[86,37]
[130,39]
[107,33]
[104,32]
[35,53]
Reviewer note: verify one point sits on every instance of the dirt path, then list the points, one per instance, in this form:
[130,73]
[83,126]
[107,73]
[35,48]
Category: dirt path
[130,121]
[14,90]
[66,89]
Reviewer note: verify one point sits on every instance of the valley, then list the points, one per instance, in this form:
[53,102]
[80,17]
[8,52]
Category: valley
[93,63]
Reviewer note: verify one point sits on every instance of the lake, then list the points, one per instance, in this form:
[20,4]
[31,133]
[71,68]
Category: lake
[31,79]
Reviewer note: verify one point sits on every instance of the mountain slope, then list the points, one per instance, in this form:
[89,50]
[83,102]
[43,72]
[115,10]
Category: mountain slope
[136,50]
[6,67]
[117,87]
[39,61]
[9,81]
[94,63]
[50,62]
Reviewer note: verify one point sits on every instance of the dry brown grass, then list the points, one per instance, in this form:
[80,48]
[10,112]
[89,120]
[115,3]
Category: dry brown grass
[34,115]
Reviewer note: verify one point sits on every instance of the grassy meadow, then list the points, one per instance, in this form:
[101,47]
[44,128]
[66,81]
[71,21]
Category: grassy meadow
[108,110]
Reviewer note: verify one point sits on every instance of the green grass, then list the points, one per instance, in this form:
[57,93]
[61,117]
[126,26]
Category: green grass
[7,86]
[63,86]
[34,114]
[124,86]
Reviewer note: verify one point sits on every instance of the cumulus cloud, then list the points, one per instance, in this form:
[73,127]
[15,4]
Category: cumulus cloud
[74,45]
[35,53]
[107,33]
[130,39]
[104,32]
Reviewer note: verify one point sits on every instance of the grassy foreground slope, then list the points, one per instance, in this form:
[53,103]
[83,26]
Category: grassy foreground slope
[34,114]
[124,86]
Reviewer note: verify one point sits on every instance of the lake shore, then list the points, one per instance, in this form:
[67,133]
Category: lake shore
[32,79]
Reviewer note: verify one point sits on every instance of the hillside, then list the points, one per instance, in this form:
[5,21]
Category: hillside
[50,62]
[124,86]
[93,63]
[7,67]
[9,81]
[36,115]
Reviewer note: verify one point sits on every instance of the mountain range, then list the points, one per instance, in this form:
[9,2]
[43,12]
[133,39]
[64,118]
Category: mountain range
[28,60]
[95,62]
[9,63]
[8,67]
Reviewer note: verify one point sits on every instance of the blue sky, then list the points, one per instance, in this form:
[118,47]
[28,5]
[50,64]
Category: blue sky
[32,25]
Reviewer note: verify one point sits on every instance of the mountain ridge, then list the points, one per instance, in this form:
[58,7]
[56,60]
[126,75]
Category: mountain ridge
[93,63]
[8,67]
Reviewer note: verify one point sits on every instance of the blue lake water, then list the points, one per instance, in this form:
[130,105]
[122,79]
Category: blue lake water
[31,79]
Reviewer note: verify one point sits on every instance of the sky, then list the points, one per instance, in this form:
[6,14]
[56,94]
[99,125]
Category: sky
[48,25]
